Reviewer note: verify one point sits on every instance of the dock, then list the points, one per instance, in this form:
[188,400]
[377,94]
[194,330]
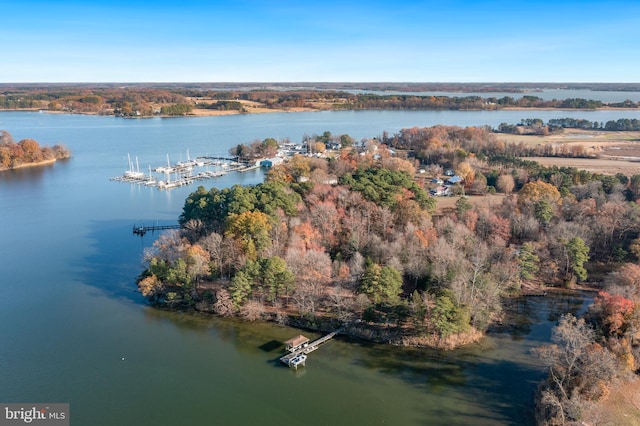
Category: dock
[141,230]
[299,347]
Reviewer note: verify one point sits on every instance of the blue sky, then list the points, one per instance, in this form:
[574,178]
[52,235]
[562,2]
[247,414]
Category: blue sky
[302,41]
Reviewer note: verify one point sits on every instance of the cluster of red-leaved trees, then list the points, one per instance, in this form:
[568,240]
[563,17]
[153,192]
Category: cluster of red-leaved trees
[27,151]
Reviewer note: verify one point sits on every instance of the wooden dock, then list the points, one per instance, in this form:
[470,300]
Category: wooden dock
[309,347]
[141,230]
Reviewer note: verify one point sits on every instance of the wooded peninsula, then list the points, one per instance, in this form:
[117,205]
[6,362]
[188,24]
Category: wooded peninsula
[27,152]
[353,237]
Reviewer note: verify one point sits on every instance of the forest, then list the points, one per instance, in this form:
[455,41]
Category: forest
[355,239]
[27,151]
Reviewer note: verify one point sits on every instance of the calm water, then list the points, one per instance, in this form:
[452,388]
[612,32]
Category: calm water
[70,313]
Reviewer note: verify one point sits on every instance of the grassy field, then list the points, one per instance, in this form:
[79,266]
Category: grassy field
[447,205]
[606,166]
[613,152]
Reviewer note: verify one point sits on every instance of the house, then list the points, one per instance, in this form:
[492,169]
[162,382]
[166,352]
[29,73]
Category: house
[437,181]
[296,343]
[449,172]
[454,180]
[270,162]
[440,191]
[330,181]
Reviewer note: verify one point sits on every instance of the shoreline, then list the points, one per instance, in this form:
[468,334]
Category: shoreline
[27,165]
[203,112]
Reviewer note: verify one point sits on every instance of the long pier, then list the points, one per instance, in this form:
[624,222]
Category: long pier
[309,347]
[141,230]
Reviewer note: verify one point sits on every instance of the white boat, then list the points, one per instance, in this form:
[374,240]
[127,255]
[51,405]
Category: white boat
[133,173]
[167,169]
[151,180]
[297,360]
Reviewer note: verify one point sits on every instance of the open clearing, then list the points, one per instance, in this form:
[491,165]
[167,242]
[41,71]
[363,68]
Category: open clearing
[594,165]
[447,205]
[613,152]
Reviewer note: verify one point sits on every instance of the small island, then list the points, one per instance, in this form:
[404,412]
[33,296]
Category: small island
[27,153]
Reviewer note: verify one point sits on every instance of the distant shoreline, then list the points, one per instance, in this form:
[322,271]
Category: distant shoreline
[202,112]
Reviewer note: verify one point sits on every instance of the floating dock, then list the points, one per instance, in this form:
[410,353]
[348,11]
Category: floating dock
[300,346]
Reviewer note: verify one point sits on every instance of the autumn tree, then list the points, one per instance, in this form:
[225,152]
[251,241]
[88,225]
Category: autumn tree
[31,150]
[197,260]
[223,305]
[615,313]
[251,229]
[505,183]
[534,192]
[479,185]
[312,270]
[625,281]
[299,167]
[467,173]
[151,288]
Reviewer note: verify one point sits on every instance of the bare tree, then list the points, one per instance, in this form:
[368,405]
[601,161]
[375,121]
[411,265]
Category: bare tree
[505,183]
[253,310]
[224,305]
[212,243]
[577,368]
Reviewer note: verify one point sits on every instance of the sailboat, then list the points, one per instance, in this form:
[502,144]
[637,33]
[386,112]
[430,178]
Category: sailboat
[151,180]
[134,173]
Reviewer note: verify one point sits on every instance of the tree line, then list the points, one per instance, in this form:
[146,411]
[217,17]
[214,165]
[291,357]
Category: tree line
[537,126]
[145,101]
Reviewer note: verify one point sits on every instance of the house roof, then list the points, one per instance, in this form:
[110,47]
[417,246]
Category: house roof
[271,161]
[296,341]
[454,179]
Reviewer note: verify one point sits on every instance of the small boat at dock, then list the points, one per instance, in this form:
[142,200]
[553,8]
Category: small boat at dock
[297,360]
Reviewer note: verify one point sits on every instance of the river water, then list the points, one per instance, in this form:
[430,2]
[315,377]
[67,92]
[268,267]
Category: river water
[74,330]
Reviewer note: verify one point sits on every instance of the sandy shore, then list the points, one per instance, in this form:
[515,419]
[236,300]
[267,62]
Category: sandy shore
[23,166]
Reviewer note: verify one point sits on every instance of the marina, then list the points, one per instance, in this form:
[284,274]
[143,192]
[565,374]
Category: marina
[183,172]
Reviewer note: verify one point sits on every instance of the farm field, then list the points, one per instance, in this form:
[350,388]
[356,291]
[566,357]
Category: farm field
[613,152]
